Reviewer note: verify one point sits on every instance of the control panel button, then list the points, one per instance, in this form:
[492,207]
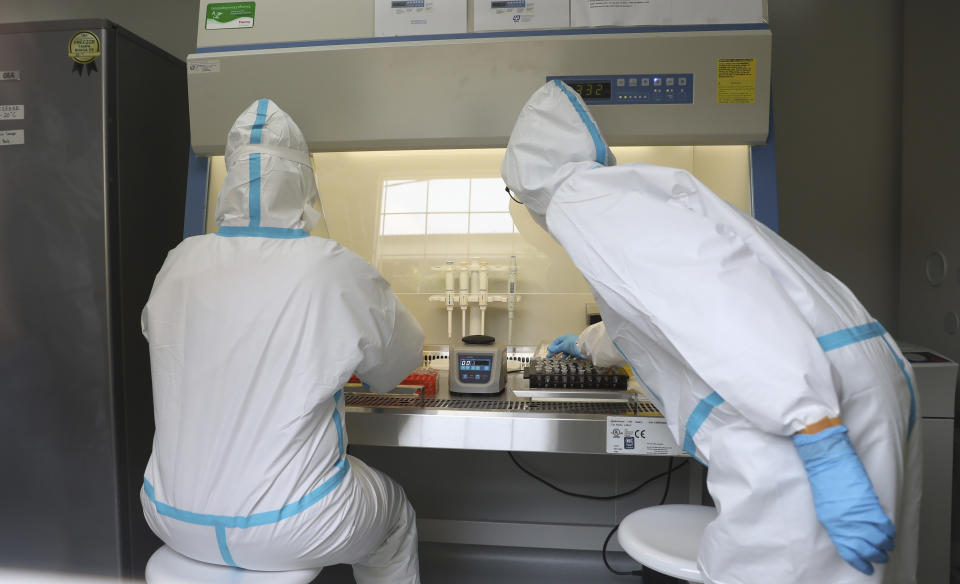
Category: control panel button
[621,82]
[682,81]
[669,81]
[645,82]
[633,82]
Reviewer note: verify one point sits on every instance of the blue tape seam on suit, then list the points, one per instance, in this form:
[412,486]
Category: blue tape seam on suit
[598,142]
[828,342]
[337,421]
[862,333]
[257,519]
[696,419]
[850,336]
[913,399]
[255,229]
[269,232]
[221,522]
[222,544]
[256,136]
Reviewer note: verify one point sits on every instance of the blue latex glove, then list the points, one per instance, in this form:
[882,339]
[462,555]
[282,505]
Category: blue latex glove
[844,498]
[564,344]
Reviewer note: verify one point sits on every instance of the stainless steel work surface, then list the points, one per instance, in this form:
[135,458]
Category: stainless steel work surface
[485,422]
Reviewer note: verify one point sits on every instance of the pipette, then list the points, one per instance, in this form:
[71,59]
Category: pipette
[464,296]
[483,296]
[511,297]
[448,278]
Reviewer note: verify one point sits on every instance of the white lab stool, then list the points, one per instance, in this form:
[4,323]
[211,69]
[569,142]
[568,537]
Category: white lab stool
[666,538]
[168,567]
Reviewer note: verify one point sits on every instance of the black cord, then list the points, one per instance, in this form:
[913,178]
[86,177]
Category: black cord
[666,487]
[606,542]
[603,552]
[599,497]
[606,562]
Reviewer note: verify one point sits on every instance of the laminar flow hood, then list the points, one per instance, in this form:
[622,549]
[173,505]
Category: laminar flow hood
[645,86]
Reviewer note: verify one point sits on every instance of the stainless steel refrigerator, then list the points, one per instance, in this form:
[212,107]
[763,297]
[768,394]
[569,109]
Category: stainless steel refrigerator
[93,165]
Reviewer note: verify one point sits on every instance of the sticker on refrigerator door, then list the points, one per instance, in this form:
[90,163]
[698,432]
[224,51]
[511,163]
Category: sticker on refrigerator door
[11,112]
[736,80]
[630,435]
[198,67]
[11,137]
[230,15]
[9,76]
[84,48]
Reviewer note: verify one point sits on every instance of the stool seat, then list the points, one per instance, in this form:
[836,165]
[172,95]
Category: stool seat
[168,567]
[666,538]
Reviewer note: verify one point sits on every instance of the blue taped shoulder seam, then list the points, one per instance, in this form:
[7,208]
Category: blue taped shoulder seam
[268,232]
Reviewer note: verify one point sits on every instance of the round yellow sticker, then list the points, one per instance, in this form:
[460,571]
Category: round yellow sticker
[84,47]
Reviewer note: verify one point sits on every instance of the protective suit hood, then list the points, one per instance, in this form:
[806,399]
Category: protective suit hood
[554,137]
[270,187]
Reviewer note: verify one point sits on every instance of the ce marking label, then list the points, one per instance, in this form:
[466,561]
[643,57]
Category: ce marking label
[640,435]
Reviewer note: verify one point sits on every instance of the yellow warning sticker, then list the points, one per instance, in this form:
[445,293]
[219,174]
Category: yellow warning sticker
[736,80]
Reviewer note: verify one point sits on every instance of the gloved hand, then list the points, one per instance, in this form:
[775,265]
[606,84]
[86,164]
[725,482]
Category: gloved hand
[844,498]
[564,344]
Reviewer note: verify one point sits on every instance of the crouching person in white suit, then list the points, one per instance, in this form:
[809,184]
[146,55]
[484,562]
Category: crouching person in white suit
[767,368]
[253,332]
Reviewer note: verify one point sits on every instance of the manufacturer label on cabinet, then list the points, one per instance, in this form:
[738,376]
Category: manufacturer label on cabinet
[630,435]
[230,15]
[198,67]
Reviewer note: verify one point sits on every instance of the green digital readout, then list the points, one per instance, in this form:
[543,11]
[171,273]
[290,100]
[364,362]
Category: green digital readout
[591,89]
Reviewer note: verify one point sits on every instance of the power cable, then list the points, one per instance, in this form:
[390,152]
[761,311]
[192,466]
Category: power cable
[597,497]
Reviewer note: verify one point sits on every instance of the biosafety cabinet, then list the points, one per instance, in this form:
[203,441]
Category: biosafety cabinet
[407,134]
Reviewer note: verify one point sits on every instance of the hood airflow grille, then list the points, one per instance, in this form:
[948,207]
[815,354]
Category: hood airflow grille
[415,403]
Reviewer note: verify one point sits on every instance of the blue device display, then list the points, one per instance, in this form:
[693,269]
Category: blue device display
[475,368]
[646,88]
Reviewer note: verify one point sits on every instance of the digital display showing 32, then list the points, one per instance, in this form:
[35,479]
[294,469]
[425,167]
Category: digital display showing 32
[591,89]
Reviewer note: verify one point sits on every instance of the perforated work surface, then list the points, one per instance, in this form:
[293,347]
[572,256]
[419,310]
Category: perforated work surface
[498,405]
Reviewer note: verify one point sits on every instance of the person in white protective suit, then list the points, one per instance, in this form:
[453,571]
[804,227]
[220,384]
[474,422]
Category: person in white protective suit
[766,367]
[253,332]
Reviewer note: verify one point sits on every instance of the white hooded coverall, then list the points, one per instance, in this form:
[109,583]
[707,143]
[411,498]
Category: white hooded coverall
[253,331]
[739,339]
